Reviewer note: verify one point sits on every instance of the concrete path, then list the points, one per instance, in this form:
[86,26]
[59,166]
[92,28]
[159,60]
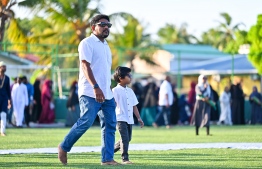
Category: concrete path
[244,146]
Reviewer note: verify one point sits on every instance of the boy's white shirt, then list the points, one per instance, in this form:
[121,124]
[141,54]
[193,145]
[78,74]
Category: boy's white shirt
[125,99]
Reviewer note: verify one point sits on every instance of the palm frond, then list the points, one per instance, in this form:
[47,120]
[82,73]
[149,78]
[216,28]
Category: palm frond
[227,18]
[34,5]
[236,27]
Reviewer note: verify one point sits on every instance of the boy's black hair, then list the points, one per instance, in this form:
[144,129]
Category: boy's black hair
[121,72]
[96,19]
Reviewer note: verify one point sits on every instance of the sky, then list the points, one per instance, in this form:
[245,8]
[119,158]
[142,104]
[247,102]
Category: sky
[200,15]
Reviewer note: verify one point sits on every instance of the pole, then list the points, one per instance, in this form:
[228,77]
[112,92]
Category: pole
[52,66]
[5,46]
[233,68]
[57,66]
[261,84]
[178,73]
[59,82]
[120,52]
[81,6]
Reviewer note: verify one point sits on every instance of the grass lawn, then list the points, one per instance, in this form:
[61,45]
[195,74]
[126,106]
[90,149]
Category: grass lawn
[188,158]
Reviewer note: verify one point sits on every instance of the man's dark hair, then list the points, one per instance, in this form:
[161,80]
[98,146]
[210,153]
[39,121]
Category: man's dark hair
[121,72]
[96,19]
[23,77]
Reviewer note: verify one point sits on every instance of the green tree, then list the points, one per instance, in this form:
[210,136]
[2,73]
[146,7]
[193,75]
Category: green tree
[23,31]
[131,41]
[233,46]
[227,31]
[211,37]
[225,37]
[6,14]
[255,37]
[172,34]
[73,15]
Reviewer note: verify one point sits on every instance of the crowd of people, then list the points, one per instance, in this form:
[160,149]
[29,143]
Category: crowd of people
[200,106]
[22,102]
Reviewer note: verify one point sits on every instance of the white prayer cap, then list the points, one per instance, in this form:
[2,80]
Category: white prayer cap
[2,63]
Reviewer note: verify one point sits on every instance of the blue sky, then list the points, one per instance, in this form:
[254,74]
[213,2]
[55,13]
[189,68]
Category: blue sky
[200,15]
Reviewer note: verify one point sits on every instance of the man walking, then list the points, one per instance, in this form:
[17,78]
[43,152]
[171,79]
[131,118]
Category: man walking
[5,96]
[165,101]
[20,101]
[94,92]
[28,109]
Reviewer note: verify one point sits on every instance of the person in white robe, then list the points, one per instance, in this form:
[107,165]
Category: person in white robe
[225,116]
[20,100]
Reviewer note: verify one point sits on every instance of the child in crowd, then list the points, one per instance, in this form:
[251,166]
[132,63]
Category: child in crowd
[126,102]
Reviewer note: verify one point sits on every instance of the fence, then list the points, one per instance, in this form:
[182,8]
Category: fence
[64,68]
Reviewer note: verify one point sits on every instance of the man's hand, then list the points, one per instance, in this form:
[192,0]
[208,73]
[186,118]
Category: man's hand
[205,99]
[99,95]
[141,122]
[9,104]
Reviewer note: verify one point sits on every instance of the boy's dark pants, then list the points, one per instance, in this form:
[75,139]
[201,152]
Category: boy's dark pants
[125,131]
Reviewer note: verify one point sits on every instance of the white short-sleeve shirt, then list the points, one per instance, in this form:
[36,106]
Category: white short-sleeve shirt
[165,88]
[125,100]
[98,54]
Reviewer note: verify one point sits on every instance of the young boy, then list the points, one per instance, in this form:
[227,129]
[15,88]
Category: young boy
[126,102]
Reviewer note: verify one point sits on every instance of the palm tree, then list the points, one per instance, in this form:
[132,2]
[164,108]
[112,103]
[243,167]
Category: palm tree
[233,46]
[225,37]
[211,37]
[131,41]
[75,14]
[227,31]
[172,34]
[32,32]
[6,14]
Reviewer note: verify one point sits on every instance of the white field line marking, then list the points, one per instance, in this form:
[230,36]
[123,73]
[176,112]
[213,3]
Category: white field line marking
[178,146]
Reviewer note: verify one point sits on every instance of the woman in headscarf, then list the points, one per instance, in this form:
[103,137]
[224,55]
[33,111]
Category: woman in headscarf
[192,98]
[214,114]
[37,107]
[72,105]
[201,115]
[149,109]
[255,100]
[238,103]
[48,114]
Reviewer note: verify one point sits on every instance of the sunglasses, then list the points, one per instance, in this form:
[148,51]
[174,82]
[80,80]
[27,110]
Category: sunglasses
[104,24]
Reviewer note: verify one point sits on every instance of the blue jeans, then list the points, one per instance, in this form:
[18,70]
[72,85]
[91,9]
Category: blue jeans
[89,108]
[164,112]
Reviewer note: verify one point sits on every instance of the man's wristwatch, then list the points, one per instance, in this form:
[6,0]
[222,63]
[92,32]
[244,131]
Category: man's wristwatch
[95,86]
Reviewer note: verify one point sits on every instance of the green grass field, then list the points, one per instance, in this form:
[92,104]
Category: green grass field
[187,158]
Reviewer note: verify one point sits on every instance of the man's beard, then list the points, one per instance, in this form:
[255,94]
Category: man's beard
[102,35]
[3,71]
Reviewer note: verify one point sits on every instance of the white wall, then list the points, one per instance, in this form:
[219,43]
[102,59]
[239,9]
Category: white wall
[12,71]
